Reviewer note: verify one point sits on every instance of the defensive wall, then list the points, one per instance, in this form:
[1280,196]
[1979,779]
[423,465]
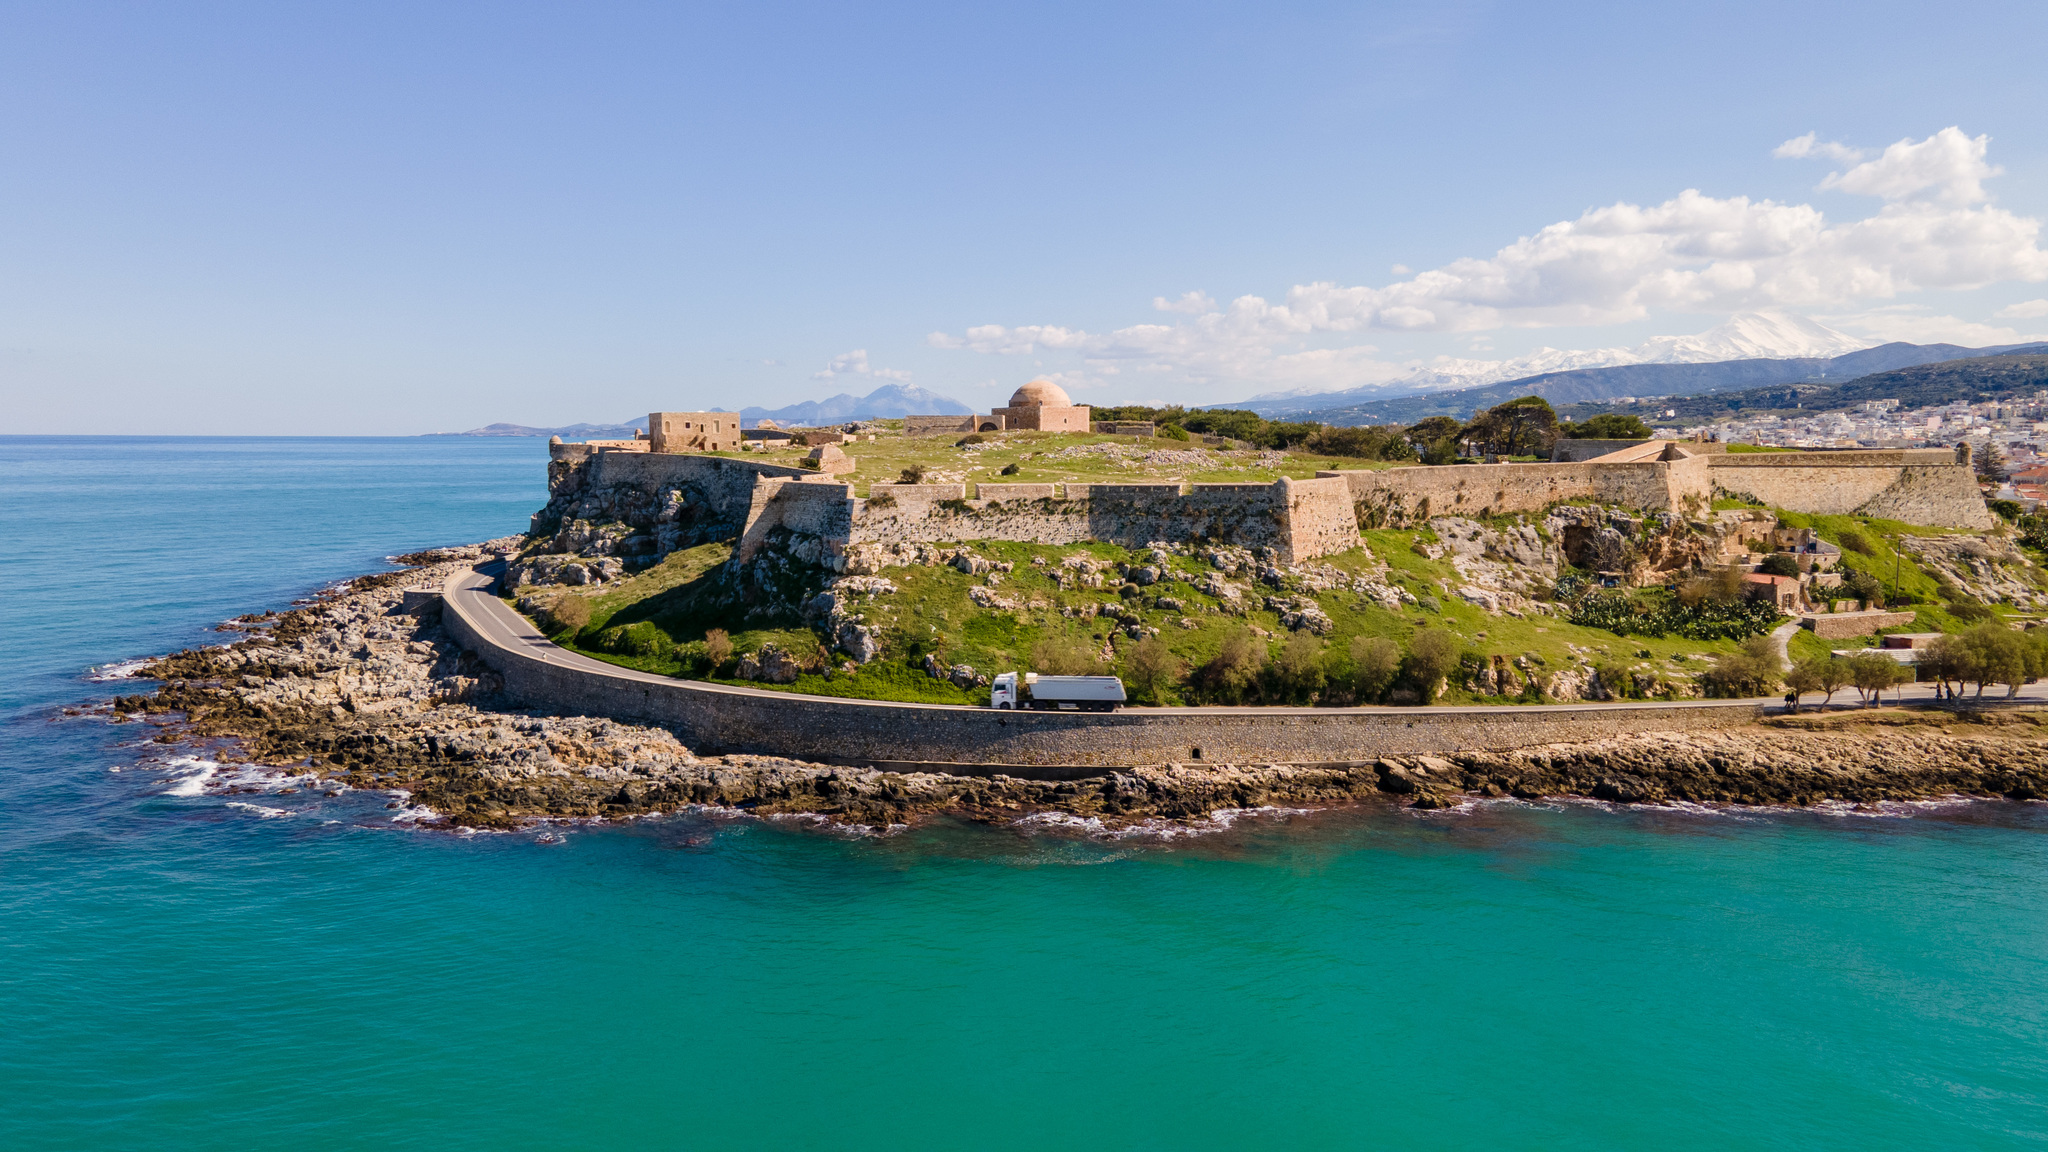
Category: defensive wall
[685,498]
[714,718]
[1916,485]
[1394,497]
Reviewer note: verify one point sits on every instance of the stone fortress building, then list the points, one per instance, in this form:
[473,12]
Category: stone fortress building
[1039,406]
[638,499]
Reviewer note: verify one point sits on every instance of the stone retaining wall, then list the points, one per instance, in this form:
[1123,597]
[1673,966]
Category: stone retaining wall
[1918,486]
[1035,745]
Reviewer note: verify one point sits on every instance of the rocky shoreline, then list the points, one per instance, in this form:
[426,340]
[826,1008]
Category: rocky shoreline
[353,690]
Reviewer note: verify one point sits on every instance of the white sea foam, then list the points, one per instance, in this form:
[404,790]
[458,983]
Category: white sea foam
[1151,828]
[121,671]
[260,810]
[411,813]
[196,774]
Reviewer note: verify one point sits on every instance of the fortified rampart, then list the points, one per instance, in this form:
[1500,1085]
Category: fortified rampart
[715,718]
[671,500]
[1399,496]
[1918,486]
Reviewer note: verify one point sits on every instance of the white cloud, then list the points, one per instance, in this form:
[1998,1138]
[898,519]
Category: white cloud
[2024,310]
[1693,253]
[1193,303]
[1911,325]
[1948,167]
[1800,147]
[855,363]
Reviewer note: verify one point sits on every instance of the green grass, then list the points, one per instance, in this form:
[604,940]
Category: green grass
[1736,449]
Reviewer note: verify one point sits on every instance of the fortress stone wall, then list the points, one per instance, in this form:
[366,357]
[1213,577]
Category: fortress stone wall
[1394,497]
[671,500]
[1918,486]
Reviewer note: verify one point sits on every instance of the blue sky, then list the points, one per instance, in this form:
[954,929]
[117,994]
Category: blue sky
[398,218]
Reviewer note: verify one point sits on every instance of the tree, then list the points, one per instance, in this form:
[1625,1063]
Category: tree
[1997,657]
[1717,586]
[1990,463]
[1431,656]
[1059,656]
[1298,671]
[1779,564]
[1871,674]
[1435,439]
[1226,677]
[1375,660]
[1821,674]
[1750,670]
[1947,659]
[1525,426]
[1153,668]
[1865,587]
[1607,426]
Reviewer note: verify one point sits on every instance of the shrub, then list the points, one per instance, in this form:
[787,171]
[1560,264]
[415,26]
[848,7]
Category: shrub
[882,500]
[1864,586]
[1173,432]
[717,648]
[1375,660]
[1431,656]
[1716,586]
[1857,542]
[569,613]
[2009,510]
[1969,610]
[1153,668]
[1779,564]
[1231,674]
[970,438]
[1011,469]
[913,474]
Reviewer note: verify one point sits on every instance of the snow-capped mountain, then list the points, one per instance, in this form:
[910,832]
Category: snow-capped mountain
[1743,336]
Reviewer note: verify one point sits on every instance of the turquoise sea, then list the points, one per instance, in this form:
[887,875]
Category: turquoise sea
[194,971]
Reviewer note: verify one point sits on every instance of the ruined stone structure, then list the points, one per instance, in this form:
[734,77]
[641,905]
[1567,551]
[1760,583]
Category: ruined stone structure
[950,425]
[693,431]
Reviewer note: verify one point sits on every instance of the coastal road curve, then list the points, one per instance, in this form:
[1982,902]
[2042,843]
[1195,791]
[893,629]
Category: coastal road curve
[721,718]
[504,626]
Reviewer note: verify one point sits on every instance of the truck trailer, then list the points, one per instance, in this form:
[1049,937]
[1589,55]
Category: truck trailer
[1051,693]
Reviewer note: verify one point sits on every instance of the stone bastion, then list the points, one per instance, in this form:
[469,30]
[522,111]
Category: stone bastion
[714,718]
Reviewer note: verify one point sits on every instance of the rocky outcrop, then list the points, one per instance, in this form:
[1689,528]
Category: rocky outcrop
[1989,568]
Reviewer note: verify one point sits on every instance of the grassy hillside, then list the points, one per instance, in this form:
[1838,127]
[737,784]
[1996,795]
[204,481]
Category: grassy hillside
[1042,457]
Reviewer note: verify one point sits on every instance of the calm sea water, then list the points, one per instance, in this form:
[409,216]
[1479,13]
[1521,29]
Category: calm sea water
[188,971]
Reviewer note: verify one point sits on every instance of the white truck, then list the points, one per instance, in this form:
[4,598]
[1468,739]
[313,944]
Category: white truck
[1051,693]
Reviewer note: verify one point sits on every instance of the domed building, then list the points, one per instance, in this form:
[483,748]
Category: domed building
[1045,407]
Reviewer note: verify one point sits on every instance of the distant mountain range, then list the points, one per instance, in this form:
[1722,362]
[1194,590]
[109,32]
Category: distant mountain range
[1591,385]
[887,402]
[1918,386]
[1744,336]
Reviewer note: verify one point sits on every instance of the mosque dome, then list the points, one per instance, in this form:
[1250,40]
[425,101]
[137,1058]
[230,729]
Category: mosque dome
[1040,394]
